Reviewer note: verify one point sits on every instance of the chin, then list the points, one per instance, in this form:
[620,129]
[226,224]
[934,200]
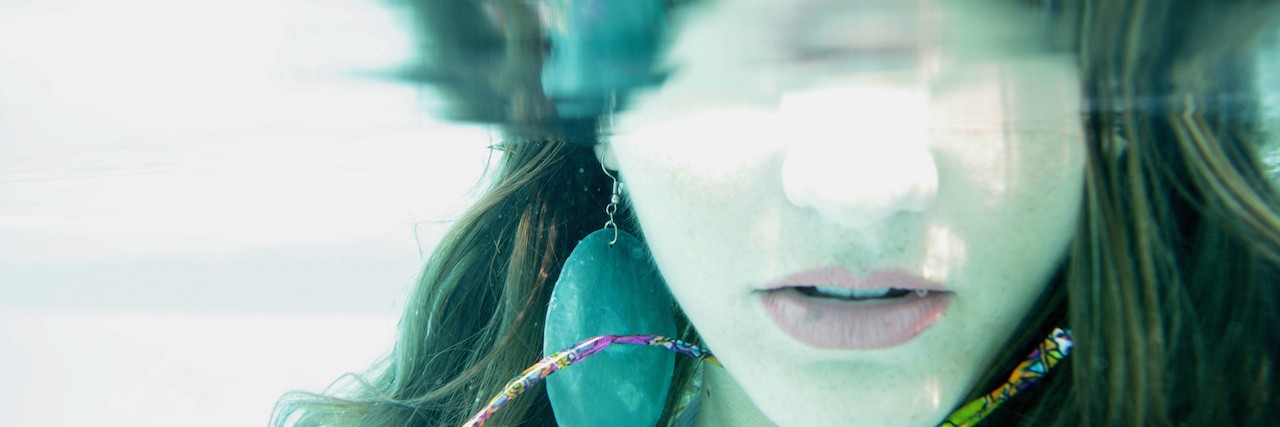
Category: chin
[917,383]
[844,414]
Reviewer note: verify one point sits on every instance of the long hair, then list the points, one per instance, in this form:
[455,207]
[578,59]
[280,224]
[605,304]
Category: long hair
[1170,283]
[475,318]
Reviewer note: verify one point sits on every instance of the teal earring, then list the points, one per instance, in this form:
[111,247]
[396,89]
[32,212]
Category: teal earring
[608,286]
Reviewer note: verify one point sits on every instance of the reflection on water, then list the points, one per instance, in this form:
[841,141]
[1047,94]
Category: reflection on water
[599,59]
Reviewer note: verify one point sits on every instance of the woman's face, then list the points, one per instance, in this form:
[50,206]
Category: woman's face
[855,202]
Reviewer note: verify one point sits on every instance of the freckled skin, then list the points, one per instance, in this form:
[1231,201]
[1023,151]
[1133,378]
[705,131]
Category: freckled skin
[705,174]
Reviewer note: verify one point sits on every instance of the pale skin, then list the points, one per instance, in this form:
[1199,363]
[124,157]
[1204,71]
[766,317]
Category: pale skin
[960,161]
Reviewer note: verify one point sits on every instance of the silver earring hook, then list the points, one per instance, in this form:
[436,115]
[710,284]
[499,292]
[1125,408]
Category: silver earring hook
[612,207]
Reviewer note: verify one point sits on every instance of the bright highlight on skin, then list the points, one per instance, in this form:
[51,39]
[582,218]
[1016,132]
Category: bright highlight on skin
[860,154]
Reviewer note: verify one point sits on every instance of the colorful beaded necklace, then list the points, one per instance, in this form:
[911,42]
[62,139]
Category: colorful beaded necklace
[1053,349]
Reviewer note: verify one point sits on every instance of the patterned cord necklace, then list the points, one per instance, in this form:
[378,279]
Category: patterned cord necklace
[1053,349]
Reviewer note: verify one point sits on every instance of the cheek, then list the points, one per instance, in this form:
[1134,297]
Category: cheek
[701,176]
[689,214]
[1015,229]
[1011,174]
[706,213]
[1010,151]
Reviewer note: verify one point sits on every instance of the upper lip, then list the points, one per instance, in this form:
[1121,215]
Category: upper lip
[842,278]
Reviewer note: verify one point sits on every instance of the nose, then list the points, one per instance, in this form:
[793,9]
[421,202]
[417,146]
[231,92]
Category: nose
[860,154]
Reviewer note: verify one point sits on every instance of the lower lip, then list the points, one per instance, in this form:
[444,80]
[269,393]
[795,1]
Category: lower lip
[853,325]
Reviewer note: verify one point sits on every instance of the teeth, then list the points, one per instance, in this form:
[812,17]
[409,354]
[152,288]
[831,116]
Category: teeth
[860,294]
[852,293]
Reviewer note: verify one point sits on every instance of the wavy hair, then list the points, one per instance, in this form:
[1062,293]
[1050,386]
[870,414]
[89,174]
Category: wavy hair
[1170,284]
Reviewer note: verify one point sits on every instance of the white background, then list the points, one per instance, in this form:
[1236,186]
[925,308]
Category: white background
[206,204]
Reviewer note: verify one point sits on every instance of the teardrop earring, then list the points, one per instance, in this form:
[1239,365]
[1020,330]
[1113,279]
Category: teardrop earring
[608,286]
